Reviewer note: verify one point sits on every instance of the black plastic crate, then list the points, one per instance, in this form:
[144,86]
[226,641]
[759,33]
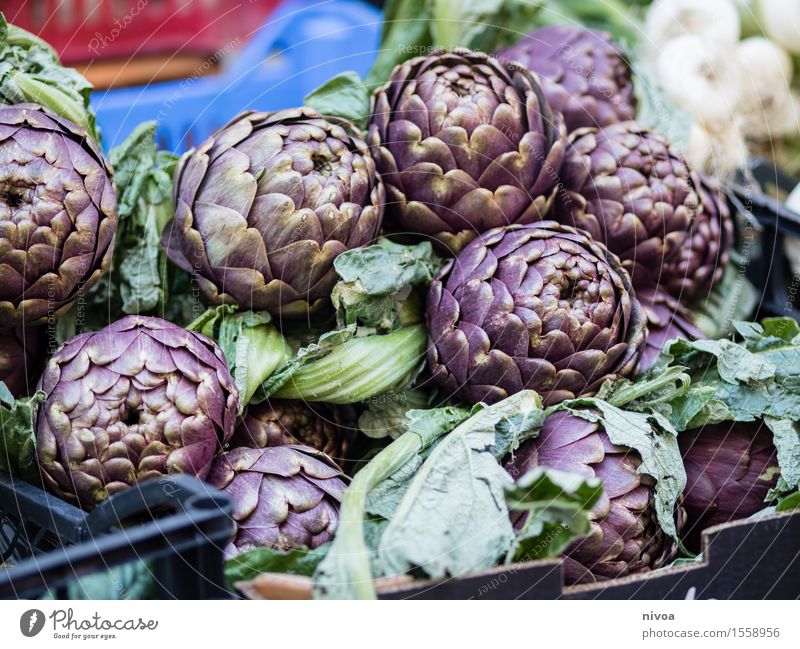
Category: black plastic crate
[178,524]
[769,222]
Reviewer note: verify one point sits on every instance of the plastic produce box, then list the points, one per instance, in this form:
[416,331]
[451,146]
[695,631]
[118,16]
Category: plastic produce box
[176,525]
[278,66]
[86,30]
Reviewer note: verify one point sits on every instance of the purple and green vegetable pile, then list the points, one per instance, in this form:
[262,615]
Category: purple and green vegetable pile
[464,312]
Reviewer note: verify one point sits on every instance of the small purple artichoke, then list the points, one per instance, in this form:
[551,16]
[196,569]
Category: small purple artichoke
[139,399]
[625,536]
[630,190]
[58,214]
[284,496]
[278,422]
[730,467]
[464,144]
[264,206]
[698,266]
[583,72]
[667,319]
[541,307]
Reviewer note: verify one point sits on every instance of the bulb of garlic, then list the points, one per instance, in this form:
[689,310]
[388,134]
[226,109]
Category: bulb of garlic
[701,77]
[714,21]
[780,20]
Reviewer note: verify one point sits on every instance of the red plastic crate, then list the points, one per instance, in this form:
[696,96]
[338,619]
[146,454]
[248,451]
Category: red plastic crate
[85,30]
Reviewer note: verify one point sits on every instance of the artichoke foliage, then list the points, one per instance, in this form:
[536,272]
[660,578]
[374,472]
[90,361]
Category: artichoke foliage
[284,497]
[264,206]
[630,190]
[136,400]
[625,537]
[541,307]
[464,144]
[57,214]
[583,73]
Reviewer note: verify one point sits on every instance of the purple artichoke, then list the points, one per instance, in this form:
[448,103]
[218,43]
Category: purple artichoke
[730,467]
[279,422]
[264,206]
[667,319]
[629,189]
[58,214]
[539,306]
[464,144]
[625,536]
[698,266]
[136,400]
[583,72]
[22,354]
[284,496]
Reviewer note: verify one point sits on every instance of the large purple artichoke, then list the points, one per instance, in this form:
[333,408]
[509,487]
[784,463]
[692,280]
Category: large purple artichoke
[264,206]
[625,536]
[464,143]
[667,319]
[584,74]
[279,422]
[22,354]
[698,266]
[138,399]
[284,496]
[538,306]
[629,189]
[730,467]
[58,214]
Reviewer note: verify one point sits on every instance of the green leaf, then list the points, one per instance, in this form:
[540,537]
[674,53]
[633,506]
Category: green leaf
[253,346]
[556,505]
[297,561]
[654,438]
[789,503]
[786,438]
[406,33]
[385,415]
[452,518]
[345,96]
[17,433]
[31,72]
[377,282]
[457,22]
[656,110]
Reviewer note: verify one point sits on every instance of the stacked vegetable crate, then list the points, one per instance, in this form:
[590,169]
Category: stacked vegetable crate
[457,325]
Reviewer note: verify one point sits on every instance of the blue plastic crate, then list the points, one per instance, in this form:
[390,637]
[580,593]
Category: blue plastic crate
[299,47]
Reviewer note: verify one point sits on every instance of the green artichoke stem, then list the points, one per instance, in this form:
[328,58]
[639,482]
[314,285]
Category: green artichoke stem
[349,546]
[51,98]
[674,377]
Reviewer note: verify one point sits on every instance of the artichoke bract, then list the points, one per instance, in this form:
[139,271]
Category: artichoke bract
[279,422]
[627,187]
[667,319]
[264,206]
[22,354]
[730,468]
[541,307]
[136,400]
[698,266]
[284,496]
[583,72]
[58,214]
[625,536]
[464,144]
